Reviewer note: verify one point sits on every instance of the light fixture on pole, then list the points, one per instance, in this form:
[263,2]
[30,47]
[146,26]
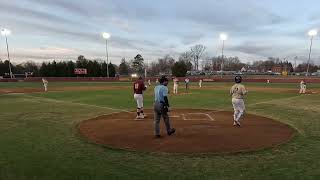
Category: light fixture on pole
[311,33]
[6,32]
[223,37]
[106,36]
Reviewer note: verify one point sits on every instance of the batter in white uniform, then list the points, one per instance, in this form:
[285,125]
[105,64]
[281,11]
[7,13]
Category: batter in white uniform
[237,92]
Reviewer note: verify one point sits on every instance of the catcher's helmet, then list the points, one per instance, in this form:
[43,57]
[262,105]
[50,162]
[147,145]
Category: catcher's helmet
[238,79]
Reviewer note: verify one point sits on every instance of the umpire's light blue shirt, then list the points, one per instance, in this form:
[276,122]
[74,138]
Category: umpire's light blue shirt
[160,92]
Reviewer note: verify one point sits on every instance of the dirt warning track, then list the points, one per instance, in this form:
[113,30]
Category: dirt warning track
[198,131]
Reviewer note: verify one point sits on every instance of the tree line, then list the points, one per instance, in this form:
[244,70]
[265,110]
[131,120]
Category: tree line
[163,66]
[191,60]
[95,68]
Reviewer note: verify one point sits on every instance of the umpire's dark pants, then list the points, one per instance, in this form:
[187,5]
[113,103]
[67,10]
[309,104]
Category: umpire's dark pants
[159,111]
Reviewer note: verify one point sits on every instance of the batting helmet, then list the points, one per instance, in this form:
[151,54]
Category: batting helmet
[238,79]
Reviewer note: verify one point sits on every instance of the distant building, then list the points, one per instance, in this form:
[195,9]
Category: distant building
[277,68]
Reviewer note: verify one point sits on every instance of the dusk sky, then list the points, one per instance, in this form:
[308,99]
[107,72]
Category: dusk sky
[44,30]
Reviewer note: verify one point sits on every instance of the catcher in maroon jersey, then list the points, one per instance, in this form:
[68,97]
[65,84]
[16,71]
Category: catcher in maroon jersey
[138,88]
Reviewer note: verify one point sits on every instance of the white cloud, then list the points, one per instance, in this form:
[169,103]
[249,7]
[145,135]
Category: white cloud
[152,28]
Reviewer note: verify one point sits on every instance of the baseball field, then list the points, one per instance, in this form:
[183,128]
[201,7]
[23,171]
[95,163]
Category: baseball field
[53,135]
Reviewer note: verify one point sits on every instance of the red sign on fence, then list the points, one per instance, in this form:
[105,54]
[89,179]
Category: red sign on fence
[80,71]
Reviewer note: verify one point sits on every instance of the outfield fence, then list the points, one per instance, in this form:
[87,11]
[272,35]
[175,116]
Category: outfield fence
[246,78]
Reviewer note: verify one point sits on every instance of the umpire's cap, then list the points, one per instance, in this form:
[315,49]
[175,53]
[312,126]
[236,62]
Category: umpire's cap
[238,79]
[163,79]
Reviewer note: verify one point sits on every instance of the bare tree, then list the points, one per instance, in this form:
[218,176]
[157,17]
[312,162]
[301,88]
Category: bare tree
[162,66]
[165,64]
[197,52]
[186,56]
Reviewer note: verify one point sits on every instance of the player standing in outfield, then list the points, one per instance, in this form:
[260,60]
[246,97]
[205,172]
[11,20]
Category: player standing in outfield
[237,92]
[200,83]
[45,84]
[303,87]
[161,107]
[149,82]
[175,85]
[138,88]
[186,81]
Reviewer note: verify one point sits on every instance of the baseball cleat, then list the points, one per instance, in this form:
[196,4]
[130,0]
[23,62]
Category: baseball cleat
[157,136]
[172,131]
[140,117]
[237,123]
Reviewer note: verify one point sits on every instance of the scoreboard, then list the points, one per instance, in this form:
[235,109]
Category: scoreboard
[80,71]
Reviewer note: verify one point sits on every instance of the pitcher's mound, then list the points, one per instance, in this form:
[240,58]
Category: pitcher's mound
[198,131]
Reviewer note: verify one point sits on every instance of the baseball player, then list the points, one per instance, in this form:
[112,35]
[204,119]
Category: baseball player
[186,81]
[161,107]
[175,85]
[237,92]
[138,88]
[45,84]
[149,82]
[303,87]
[200,83]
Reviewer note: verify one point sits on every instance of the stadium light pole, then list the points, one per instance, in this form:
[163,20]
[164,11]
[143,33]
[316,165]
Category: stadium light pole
[106,36]
[311,33]
[223,37]
[6,33]
[145,69]
[295,63]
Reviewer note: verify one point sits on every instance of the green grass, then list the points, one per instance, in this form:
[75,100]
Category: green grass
[59,84]
[38,138]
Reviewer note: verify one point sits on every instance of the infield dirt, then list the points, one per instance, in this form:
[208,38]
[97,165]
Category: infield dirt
[198,131]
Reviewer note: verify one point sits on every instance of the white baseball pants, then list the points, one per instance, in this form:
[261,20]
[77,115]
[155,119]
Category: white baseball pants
[175,89]
[239,108]
[139,100]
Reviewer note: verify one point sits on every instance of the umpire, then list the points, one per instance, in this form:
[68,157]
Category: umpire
[161,107]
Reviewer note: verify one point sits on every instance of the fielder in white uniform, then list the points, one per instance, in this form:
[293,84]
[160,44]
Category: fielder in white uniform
[200,83]
[303,87]
[175,85]
[237,92]
[45,84]
[186,81]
